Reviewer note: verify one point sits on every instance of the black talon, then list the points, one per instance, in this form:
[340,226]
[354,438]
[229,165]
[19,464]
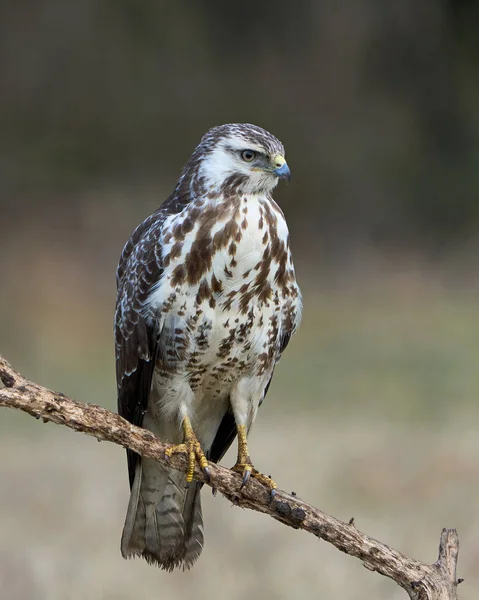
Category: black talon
[207,473]
[246,476]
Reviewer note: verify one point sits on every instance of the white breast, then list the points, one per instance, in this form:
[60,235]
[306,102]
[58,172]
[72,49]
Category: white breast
[231,313]
[226,324]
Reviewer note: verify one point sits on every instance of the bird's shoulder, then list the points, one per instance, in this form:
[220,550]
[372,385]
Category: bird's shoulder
[139,269]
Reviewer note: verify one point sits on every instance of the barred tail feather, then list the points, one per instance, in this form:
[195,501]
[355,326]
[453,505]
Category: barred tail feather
[164,522]
[193,519]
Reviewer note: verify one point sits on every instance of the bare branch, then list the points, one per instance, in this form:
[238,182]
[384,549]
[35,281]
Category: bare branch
[421,581]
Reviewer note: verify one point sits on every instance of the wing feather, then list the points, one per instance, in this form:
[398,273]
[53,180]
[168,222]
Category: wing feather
[136,341]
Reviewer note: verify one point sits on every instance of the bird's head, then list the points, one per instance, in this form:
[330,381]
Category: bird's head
[236,158]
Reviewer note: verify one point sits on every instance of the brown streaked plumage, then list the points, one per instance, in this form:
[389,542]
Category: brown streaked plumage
[207,302]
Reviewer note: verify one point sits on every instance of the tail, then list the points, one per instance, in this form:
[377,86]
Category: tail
[164,523]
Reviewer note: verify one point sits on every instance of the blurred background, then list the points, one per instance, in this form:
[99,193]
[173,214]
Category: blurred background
[373,412]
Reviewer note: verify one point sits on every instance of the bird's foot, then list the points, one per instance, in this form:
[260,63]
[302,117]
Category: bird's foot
[244,466]
[247,470]
[192,448]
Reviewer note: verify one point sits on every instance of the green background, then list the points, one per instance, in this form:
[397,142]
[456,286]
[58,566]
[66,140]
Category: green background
[373,411]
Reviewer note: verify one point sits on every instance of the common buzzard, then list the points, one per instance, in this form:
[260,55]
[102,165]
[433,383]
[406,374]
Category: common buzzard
[207,302]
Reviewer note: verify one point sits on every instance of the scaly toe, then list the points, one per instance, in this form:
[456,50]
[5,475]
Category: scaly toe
[267,481]
[250,471]
[202,461]
[177,449]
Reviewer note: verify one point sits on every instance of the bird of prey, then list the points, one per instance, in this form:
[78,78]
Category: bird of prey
[207,302]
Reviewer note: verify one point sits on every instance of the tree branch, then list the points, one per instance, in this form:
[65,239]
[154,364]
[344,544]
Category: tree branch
[421,581]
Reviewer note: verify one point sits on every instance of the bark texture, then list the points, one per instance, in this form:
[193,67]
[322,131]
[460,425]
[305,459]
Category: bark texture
[420,580]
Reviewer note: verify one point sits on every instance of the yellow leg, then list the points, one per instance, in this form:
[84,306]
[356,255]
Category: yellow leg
[245,466]
[192,448]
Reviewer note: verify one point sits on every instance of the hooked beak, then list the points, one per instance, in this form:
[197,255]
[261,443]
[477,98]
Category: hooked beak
[281,168]
[283,172]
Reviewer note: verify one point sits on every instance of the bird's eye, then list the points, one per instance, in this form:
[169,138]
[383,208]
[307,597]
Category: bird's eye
[248,155]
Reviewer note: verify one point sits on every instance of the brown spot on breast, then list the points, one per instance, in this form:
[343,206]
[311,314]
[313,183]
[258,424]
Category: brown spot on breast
[232,183]
[245,301]
[204,292]
[261,281]
[199,258]
[264,293]
[244,223]
[178,276]
[177,233]
[280,275]
[277,246]
[283,275]
[232,249]
[219,239]
[187,225]
[269,215]
[175,251]
[230,231]
[288,319]
[216,285]
[225,346]
[229,300]
[194,212]
[168,303]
